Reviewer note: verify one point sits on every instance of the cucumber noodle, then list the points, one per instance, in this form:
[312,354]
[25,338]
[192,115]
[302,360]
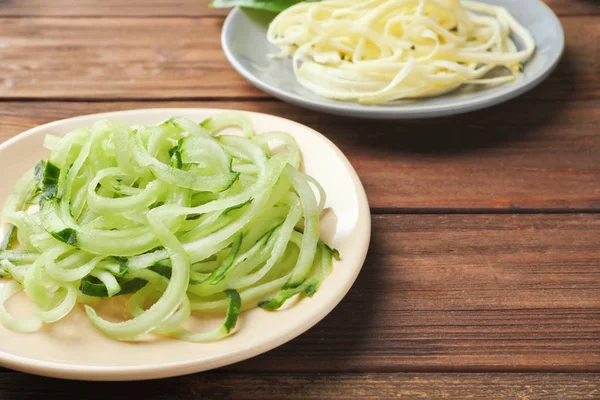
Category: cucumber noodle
[375,51]
[181,215]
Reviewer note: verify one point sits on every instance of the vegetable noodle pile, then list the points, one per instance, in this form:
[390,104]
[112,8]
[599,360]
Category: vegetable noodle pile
[181,215]
[375,51]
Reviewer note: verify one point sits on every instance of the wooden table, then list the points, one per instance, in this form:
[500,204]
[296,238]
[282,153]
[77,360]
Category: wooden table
[483,278]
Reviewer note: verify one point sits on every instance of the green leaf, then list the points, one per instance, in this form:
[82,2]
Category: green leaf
[268,5]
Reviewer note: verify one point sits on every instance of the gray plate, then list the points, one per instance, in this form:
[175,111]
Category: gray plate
[246,47]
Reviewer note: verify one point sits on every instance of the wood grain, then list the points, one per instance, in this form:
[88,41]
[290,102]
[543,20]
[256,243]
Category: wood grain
[526,155]
[456,293]
[463,293]
[278,386]
[116,58]
[185,8]
[129,58]
[469,270]
[129,8]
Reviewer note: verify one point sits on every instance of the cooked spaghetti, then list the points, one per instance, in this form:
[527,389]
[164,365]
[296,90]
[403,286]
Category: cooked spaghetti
[377,51]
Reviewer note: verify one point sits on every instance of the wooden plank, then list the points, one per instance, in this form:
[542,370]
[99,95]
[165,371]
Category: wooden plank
[525,155]
[384,386]
[463,293]
[130,8]
[116,58]
[186,8]
[456,293]
[148,58]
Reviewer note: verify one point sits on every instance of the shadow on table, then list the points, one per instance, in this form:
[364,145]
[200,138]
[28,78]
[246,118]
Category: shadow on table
[504,124]
[594,2]
[339,341]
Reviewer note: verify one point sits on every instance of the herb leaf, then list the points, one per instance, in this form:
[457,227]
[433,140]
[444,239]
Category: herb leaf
[268,5]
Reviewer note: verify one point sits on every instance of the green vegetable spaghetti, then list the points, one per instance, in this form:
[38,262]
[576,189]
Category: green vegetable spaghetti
[180,216]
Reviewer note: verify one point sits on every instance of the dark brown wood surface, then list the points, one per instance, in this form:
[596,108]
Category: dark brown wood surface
[463,292]
[521,156]
[186,8]
[483,277]
[129,58]
[327,386]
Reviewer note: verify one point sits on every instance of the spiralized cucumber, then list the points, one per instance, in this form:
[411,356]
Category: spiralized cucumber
[178,215]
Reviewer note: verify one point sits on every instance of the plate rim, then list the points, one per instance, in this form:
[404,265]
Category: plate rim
[353,109]
[164,370]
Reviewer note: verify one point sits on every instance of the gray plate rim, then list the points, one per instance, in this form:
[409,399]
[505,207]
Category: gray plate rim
[389,112]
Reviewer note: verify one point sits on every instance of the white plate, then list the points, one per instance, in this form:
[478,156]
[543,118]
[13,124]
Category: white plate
[73,349]
[246,47]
